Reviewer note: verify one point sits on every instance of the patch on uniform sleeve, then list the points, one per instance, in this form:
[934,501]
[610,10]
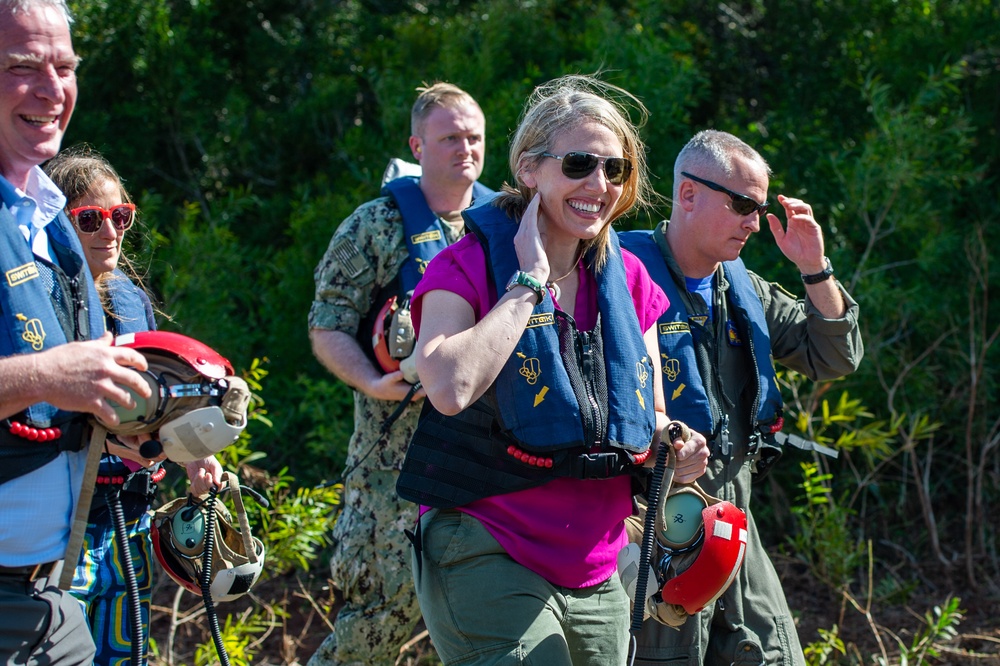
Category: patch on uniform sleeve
[347,253]
[783,290]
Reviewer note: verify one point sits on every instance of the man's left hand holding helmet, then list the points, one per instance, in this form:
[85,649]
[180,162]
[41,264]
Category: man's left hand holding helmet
[197,406]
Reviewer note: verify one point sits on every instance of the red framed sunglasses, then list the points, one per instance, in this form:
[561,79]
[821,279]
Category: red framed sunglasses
[89,219]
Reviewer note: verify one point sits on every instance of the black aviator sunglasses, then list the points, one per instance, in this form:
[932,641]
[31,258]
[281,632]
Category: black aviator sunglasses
[580,165]
[742,204]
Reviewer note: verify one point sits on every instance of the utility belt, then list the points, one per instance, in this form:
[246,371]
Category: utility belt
[24,449]
[29,573]
[455,460]
[136,489]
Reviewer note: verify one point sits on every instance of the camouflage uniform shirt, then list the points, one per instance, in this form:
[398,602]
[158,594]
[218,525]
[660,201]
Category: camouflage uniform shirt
[365,254]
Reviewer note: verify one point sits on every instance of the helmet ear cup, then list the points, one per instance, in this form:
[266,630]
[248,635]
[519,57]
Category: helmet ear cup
[145,408]
[187,531]
[179,539]
[681,522]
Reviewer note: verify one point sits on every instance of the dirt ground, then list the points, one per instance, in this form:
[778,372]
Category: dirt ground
[294,603]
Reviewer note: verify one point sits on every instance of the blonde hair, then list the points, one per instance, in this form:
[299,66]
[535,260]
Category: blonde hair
[438,95]
[560,106]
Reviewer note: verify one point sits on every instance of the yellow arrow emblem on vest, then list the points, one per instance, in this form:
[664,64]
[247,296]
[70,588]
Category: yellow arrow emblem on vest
[541,395]
[642,403]
[677,391]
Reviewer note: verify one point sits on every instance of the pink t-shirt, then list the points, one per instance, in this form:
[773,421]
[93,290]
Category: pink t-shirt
[568,531]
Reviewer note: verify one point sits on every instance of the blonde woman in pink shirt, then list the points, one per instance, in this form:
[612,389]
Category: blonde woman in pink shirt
[538,353]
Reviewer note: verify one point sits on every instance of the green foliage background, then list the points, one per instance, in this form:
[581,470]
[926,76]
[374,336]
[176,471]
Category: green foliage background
[249,130]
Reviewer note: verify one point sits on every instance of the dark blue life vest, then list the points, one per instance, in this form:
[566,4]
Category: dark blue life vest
[43,305]
[422,229]
[583,399]
[683,385]
[130,307]
[32,322]
[538,406]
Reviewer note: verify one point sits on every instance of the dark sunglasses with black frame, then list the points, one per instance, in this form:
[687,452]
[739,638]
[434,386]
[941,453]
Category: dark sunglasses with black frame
[742,204]
[577,165]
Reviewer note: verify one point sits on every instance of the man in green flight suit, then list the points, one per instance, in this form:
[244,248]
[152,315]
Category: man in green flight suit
[718,341]
[376,255]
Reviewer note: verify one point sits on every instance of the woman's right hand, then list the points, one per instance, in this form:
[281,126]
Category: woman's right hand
[528,243]
[692,452]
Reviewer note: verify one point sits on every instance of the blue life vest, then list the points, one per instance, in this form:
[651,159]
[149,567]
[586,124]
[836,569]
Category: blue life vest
[562,394]
[30,320]
[538,406]
[683,385]
[34,320]
[132,311]
[422,229]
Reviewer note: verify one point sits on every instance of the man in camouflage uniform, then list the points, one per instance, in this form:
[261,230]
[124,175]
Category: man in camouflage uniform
[361,269]
[719,339]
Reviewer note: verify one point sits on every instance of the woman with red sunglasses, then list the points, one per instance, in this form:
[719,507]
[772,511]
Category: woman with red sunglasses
[101,212]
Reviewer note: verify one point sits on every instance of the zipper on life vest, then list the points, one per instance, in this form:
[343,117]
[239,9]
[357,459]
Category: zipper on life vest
[758,394]
[80,321]
[594,427]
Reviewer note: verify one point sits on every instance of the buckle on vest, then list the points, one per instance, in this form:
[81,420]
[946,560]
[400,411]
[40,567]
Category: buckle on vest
[597,465]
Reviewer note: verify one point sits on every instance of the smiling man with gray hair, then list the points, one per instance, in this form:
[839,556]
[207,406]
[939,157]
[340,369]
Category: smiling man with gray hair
[57,364]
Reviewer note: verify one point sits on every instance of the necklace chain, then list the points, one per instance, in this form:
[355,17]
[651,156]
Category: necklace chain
[576,262]
[553,284]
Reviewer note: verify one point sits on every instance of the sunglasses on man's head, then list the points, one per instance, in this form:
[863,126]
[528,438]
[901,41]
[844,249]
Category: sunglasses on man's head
[89,219]
[580,165]
[742,204]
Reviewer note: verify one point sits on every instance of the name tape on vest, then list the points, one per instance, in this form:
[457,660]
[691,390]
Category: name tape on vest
[671,327]
[426,237]
[543,319]
[22,274]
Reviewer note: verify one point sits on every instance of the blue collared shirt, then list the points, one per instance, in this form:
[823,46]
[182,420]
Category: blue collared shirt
[36,509]
[34,209]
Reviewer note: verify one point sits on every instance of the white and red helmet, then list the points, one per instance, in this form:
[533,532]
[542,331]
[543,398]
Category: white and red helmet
[197,404]
[706,554]
[393,338]
[179,536]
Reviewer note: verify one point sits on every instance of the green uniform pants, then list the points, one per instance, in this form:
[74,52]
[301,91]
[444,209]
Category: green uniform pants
[483,608]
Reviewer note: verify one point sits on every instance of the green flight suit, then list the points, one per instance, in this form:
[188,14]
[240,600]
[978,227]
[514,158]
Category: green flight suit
[751,623]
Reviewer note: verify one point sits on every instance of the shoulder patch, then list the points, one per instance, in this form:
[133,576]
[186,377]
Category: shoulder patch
[348,254]
[783,290]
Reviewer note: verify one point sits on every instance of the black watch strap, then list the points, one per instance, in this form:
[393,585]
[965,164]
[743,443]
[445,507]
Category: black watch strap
[822,276]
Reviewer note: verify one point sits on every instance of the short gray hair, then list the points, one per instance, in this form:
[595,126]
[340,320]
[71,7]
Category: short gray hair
[14,6]
[711,152]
